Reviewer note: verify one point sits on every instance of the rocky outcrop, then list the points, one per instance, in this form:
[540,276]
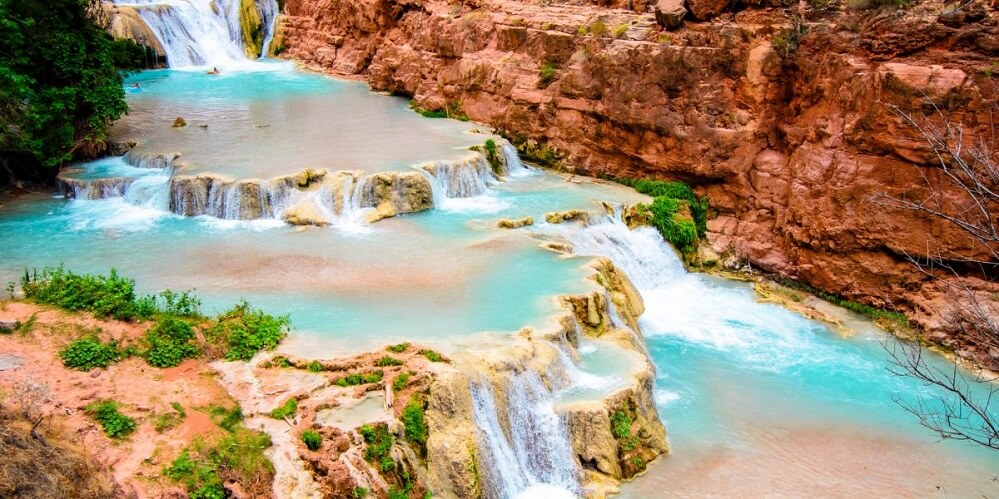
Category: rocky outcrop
[515,224]
[124,22]
[778,115]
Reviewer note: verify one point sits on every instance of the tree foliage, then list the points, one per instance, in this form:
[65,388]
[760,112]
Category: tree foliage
[60,88]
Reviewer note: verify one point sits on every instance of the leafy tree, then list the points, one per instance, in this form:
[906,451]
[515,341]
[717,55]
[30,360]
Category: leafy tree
[60,88]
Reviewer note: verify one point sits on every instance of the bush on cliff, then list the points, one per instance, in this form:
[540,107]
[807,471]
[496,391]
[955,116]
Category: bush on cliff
[677,212]
[59,79]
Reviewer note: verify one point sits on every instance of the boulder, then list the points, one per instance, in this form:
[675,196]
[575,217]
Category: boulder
[557,217]
[179,122]
[7,327]
[670,13]
[304,213]
[515,224]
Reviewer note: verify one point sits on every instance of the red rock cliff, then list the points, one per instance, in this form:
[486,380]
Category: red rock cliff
[777,113]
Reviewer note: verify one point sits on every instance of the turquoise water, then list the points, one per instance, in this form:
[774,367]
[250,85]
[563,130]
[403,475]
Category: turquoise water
[760,401]
[274,120]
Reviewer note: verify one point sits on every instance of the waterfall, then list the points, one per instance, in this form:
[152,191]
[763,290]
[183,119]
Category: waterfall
[268,19]
[514,166]
[459,179]
[535,452]
[641,253]
[202,32]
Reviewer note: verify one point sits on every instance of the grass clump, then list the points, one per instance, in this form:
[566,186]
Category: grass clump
[360,492]
[620,30]
[432,356]
[598,28]
[104,296]
[493,156]
[401,347]
[288,409]
[228,419]
[413,422]
[238,456]
[378,442]
[387,361]
[547,73]
[360,379]
[312,440]
[170,341]
[89,352]
[242,331]
[315,367]
[112,421]
[621,429]
[401,381]
[679,215]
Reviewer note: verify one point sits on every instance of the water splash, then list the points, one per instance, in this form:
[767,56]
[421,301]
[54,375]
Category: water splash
[532,451]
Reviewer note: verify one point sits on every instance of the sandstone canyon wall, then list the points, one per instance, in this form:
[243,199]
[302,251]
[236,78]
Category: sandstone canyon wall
[779,113]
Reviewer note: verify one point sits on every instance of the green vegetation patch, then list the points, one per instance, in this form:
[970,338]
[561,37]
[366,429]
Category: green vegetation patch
[167,420]
[314,366]
[679,215]
[378,442]
[452,110]
[114,423]
[401,381]
[401,347]
[242,331]
[288,409]
[104,296]
[387,361]
[432,355]
[547,74]
[621,429]
[360,379]
[413,422]
[238,456]
[88,353]
[170,341]
[312,440]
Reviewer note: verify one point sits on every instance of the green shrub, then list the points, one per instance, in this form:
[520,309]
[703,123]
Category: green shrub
[547,73]
[432,355]
[493,156]
[360,492]
[89,352]
[620,30]
[315,367]
[238,455]
[170,341]
[312,439]
[598,28]
[288,409]
[183,304]
[241,332]
[412,420]
[401,381]
[360,379]
[378,442]
[110,295]
[401,347]
[620,425]
[229,419]
[114,423]
[387,361]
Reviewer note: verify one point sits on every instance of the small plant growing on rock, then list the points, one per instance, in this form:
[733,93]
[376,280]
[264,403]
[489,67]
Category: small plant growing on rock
[360,379]
[413,422]
[378,442]
[114,423]
[547,74]
[89,352]
[387,361]
[360,492]
[168,420]
[621,429]
[432,355]
[312,439]
[598,28]
[315,367]
[401,347]
[288,409]
[401,381]
[620,30]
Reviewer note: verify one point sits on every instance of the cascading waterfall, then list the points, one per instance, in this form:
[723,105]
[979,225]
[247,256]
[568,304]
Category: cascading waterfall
[458,179]
[535,452]
[514,166]
[268,19]
[201,33]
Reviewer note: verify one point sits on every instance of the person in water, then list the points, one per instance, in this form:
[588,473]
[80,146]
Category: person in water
[135,86]
[214,71]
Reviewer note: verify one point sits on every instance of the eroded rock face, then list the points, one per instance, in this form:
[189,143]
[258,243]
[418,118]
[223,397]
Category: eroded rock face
[787,134]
